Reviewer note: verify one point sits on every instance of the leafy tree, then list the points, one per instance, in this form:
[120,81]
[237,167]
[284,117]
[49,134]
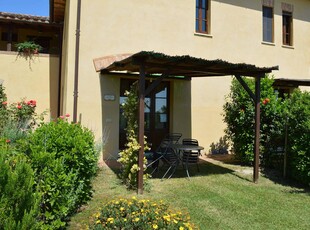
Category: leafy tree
[239,115]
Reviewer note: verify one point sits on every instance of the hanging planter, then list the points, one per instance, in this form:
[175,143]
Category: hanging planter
[27,50]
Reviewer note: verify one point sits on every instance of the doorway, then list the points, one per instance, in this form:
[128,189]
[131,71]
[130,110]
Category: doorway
[156,113]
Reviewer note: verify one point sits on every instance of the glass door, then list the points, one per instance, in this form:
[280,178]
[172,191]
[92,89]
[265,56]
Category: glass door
[156,113]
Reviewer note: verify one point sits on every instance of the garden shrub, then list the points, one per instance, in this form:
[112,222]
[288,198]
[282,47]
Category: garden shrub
[17,119]
[276,113]
[239,115]
[299,135]
[64,158]
[18,198]
[129,156]
[140,215]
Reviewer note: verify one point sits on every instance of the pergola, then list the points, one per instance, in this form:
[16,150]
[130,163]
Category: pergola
[152,63]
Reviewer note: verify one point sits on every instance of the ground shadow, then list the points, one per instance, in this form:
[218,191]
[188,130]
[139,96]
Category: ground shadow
[205,169]
[273,174]
[277,177]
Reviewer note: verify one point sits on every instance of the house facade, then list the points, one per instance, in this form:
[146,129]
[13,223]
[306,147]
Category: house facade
[259,32]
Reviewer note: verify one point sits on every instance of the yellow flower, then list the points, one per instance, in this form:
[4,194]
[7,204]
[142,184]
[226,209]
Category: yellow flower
[122,209]
[110,220]
[98,222]
[137,219]
[125,220]
[181,228]
[167,218]
[134,198]
[155,226]
[175,221]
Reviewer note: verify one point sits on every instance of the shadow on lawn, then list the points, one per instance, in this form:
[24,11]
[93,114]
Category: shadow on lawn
[277,177]
[205,169]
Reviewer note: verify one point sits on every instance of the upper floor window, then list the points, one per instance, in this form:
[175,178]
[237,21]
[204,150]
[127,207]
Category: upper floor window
[268,24]
[203,16]
[287,24]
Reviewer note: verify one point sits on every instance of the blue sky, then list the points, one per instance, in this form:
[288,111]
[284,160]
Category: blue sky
[33,7]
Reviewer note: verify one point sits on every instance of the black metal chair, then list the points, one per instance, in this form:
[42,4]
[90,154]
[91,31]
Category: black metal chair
[166,154]
[190,157]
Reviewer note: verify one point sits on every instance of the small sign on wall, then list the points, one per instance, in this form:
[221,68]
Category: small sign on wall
[109,97]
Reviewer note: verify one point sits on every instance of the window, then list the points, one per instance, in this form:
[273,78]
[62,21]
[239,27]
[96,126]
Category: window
[268,24]
[5,37]
[203,16]
[287,24]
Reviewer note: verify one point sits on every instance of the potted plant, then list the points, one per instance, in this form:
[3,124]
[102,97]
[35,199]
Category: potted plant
[28,48]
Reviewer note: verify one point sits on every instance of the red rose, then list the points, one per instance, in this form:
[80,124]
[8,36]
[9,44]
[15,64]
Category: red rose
[19,106]
[32,103]
[4,103]
[8,141]
[62,117]
[67,115]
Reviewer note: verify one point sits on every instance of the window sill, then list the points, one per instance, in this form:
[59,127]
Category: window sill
[203,35]
[288,47]
[268,43]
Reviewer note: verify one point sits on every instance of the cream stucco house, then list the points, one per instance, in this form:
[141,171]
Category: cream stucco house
[260,32]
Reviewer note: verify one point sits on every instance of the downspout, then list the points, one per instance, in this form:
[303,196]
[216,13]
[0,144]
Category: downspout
[60,39]
[76,71]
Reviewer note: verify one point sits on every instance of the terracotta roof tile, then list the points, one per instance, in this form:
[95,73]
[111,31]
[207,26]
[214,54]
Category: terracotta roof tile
[24,17]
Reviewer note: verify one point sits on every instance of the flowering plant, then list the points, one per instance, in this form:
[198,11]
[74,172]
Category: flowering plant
[18,118]
[139,214]
[129,156]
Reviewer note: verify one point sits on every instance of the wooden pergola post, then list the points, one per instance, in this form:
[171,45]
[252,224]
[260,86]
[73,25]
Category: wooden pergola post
[257,129]
[256,98]
[141,127]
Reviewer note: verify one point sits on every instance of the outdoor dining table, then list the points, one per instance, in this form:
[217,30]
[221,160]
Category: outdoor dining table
[181,147]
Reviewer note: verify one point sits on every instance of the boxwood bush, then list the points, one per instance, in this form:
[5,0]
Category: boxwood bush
[64,159]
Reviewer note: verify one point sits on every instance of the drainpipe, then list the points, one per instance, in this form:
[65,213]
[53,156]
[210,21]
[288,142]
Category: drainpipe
[60,38]
[76,71]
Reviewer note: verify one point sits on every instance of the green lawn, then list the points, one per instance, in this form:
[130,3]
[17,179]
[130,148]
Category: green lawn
[221,196]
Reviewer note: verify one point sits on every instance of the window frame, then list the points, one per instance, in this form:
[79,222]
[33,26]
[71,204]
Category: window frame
[265,29]
[287,28]
[200,20]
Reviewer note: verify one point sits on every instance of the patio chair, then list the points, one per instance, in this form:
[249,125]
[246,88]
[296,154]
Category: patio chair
[166,153]
[190,157]
[173,137]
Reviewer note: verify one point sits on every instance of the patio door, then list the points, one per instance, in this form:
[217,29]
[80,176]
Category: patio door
[156,113]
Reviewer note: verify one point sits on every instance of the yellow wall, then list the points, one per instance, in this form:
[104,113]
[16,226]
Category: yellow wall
[34,80]
[112,27]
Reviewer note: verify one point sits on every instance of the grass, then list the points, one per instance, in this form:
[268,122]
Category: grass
[220,196]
